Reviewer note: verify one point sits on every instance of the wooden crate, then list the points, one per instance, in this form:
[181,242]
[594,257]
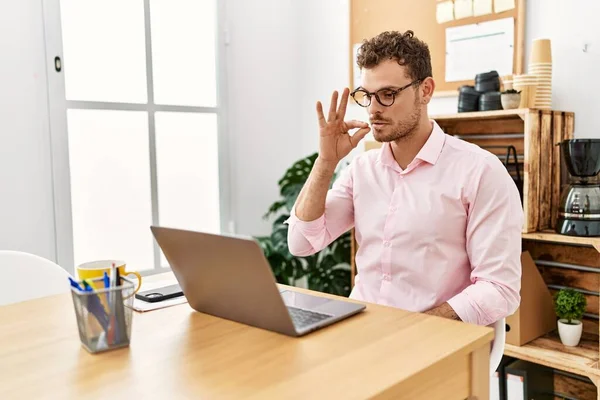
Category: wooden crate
[570,262]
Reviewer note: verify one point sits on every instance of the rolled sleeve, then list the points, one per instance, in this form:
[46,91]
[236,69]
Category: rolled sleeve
[494,247]
[304,237]
[308,237]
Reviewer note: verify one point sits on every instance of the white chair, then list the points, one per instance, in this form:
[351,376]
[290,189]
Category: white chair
[25,276]
[497,349]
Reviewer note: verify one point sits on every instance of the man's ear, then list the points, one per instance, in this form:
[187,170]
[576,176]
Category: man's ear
[427,88]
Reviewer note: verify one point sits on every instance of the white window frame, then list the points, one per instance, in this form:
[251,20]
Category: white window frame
[58,106]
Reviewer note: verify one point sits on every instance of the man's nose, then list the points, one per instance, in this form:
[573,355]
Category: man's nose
[374,107]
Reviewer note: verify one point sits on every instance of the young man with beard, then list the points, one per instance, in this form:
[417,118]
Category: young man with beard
[437,220]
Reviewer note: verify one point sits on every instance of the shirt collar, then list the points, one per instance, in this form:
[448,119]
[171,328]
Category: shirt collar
[430,152]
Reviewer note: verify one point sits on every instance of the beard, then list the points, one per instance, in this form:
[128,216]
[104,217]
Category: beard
[400,130]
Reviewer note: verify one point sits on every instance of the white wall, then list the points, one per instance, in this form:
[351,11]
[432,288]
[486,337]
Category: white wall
[569,25]
[323,52]
[26,202]
[284,55]
[263,99]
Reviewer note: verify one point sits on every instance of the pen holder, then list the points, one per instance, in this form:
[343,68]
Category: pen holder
[104,315]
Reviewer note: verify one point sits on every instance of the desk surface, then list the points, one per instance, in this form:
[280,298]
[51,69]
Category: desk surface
[177,353]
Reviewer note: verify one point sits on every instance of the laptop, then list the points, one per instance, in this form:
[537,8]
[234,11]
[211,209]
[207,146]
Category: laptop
[229,277]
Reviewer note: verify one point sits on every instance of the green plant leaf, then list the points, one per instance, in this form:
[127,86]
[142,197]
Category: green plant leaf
[266,245]
[278,264]
[330,276]
[279,236]
[278,205]
[569,304]
[291,193]
[297,173]
[341,248]
[327,271]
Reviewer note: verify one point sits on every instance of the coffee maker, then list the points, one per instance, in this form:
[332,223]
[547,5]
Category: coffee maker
[579,209]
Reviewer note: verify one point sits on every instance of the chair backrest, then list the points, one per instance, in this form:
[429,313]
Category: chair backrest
[497,345]
[25,276]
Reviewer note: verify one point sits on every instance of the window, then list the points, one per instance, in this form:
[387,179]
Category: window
[142,124]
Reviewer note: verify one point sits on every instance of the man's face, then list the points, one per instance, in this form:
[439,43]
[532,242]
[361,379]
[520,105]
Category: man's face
[399,120]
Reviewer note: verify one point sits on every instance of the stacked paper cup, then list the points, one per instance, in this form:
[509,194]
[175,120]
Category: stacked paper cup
[527,85]
[540,65]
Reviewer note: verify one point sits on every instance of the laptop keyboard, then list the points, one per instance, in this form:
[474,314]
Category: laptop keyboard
[303,318]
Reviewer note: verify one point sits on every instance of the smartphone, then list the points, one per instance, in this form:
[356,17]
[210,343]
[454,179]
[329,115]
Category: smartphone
[160,294]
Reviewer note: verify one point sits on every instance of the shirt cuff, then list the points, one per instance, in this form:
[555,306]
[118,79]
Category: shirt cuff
[463,308]
[306,227]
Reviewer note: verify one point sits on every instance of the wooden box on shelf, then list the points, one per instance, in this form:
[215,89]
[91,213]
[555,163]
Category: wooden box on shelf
[534,134]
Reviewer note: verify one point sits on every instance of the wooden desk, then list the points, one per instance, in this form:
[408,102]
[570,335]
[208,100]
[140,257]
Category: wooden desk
[179,353]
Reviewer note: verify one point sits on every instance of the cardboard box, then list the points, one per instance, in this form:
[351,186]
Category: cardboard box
[535,316]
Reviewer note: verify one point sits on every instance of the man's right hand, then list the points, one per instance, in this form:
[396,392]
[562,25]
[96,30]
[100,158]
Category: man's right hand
[335,142]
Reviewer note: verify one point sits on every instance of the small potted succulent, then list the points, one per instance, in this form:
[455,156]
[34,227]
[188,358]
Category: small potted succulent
[569,305]
[510,99]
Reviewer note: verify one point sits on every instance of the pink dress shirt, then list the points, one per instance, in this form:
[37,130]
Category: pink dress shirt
[445,229]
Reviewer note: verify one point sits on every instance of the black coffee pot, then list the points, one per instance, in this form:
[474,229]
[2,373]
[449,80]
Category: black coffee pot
[579,208]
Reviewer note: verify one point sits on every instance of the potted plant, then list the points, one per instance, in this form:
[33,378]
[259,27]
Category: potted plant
[326,271]
[510,99]
[569,305]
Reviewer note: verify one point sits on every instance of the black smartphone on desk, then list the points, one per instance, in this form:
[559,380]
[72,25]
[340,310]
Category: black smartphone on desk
[160,294]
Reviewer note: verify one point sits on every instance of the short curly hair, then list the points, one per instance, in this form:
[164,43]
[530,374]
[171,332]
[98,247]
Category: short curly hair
[402,47]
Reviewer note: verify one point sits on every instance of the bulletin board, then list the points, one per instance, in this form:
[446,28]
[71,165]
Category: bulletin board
[371,17]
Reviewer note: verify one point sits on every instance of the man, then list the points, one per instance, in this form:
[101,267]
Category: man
[437,220]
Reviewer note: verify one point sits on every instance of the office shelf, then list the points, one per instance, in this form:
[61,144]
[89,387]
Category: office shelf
[552,237]
[484,115]
[549,351]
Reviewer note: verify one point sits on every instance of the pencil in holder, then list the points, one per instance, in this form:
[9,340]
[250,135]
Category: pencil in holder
[104,315]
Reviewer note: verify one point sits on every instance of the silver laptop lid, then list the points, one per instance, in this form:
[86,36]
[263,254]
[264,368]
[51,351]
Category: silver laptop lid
[225,276]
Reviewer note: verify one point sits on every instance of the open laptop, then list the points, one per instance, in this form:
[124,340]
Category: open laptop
[229,277]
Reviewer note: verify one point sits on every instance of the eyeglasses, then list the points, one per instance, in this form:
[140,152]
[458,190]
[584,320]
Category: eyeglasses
[385,97]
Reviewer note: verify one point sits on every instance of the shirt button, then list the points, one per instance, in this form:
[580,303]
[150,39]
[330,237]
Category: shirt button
[393,209]
[387,277]
[386,244]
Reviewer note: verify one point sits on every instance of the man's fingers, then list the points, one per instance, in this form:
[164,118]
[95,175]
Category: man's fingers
[333,106]
[353,124]
[358,136]
[320,115]
[342,111]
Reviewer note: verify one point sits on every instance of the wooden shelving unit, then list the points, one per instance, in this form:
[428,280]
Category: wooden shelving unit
[553,237]
[549,351]
[483,115]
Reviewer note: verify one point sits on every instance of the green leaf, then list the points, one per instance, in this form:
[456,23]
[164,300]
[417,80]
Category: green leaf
[297,174]
[278,205]
[279,236]
[330,276]
[327,271]
[277,263]
[342,248]
[266,245]
[291,193]
[569,304]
